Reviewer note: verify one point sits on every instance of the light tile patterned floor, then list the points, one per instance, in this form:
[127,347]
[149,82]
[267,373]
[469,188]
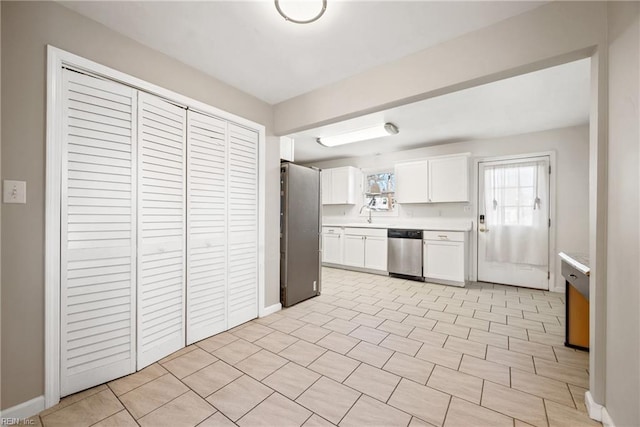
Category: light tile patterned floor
[370,351]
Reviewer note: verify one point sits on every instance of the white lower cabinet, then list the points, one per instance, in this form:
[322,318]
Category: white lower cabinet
[444,257]
[365,248]
[354,250]
[332,238]
[375,252]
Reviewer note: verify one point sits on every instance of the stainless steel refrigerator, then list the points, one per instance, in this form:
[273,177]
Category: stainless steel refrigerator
[300,222]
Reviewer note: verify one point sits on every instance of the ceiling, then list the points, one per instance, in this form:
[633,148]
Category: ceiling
[248,45]
[551,98]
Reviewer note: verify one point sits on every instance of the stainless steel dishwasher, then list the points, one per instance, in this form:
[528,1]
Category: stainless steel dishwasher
[405,253]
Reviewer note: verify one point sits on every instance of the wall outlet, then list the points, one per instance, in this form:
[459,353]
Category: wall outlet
[14,191]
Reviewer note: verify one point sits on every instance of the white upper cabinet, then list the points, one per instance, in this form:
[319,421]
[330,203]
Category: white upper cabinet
[411,182]
[449,179]
[434,180]
[325,186]
[341,186]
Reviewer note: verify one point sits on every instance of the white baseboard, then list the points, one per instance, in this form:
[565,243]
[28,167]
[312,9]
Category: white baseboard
[594,409]
[606,418]
[25,409]
[270,310]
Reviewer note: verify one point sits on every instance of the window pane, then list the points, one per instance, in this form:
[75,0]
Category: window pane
[526,216]
[527,174]
[510,216]
[526,197]
[510,197]
[511,177]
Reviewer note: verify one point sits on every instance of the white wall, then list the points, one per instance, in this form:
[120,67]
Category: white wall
[622,398]
[572,189]
[28,27]
[549,35]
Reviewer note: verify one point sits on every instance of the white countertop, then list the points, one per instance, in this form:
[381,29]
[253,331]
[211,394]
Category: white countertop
[431,224]
[578,261]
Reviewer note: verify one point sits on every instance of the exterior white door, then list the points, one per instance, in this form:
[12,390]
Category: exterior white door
[206,226]
[161,228]
[98,229]
[242,193]
[513,242]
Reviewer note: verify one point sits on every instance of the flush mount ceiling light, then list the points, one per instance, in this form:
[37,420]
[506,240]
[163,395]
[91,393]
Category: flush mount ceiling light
[359,135]
[301,11]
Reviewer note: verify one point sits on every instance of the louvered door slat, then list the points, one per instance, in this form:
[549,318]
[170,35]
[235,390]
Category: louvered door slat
[242,169]
[161,228]
[207,222]
[97,305]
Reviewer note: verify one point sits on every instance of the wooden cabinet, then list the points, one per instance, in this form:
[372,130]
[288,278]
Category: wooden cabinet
[444,257]
[449,179]
[332,245]
[341,186]
[366,248]
[434,180]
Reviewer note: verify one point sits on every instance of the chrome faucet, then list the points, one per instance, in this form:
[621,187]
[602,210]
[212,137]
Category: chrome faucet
[369,209]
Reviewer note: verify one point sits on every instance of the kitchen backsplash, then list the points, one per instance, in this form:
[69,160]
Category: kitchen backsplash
[404,212]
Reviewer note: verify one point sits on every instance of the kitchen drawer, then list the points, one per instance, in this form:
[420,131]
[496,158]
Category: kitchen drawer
[332,230]
[372,232]
[451,236]
[578,279]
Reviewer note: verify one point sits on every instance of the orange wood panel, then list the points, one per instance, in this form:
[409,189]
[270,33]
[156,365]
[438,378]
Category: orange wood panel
[578,320]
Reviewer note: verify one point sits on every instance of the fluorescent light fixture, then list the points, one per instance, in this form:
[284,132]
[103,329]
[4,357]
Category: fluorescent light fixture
[365,134]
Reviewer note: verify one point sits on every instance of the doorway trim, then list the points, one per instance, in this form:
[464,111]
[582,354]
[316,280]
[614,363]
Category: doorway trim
[475,191]
[56,59]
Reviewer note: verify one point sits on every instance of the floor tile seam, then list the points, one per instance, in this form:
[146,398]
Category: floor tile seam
[546,415]
[550,399]
[164,404]
[350,408]
[564,365]
[125,409]
[307,388]
[278,353]
[141,385]
[195,347]
[195,372]
[444,420]
[252,408]
[525,392]
[217,412]
[66,406]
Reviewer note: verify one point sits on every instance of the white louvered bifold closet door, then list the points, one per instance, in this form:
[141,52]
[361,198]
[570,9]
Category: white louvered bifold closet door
[97,254]
[242,169]
[161,228]
[206,226]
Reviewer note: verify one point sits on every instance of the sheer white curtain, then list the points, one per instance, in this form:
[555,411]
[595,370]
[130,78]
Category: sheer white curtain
[516,212]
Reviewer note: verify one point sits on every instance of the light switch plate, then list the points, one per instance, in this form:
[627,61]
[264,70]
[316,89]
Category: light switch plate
[15,191]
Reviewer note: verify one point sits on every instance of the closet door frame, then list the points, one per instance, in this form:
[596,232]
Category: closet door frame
[56,59]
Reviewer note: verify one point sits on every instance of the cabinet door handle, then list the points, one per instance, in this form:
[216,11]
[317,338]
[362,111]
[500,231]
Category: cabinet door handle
[443,236]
